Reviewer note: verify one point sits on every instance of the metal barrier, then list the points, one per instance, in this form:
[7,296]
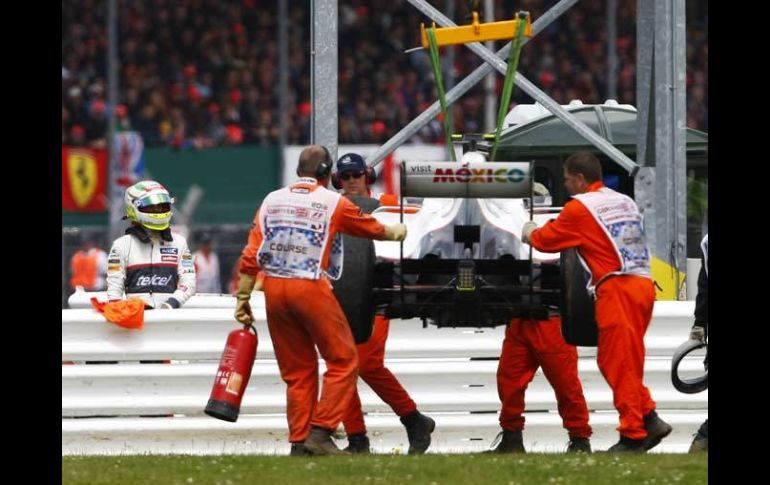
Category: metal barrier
[82,299]
[450,373]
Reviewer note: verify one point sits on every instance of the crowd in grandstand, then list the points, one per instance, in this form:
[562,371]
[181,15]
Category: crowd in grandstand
[203,73]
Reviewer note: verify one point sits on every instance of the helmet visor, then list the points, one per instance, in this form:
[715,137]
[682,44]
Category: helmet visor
[156,208]
[154,199]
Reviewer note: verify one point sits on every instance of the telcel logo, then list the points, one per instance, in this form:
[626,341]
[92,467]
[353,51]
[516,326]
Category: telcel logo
[478,175]
[155,280]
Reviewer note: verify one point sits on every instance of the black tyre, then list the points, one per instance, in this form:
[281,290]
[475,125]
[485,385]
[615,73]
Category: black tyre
[578,319]
[354,289]
[692,385]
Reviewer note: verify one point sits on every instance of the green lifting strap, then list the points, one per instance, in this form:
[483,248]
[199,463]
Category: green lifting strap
[435,62]
[510,76]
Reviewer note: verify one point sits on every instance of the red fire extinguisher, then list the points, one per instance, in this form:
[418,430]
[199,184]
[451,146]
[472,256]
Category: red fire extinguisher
[233,374]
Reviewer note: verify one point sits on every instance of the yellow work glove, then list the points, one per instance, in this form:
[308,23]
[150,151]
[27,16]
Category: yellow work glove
[246,284]
[396,232]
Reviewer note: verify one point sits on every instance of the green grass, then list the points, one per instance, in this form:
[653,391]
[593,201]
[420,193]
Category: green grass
[593,469]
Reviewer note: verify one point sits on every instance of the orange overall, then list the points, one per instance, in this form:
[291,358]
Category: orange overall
[303,313]
[531,344]
[623,309]
[371,368]
[371,364]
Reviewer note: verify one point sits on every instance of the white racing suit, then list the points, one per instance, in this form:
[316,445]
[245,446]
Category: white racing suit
[158,271]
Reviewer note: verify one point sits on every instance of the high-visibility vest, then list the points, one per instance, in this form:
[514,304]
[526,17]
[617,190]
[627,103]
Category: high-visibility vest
[295,223]
[619,217]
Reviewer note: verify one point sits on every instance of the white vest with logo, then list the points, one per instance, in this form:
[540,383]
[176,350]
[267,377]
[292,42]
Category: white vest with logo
[295,222]
[619,217]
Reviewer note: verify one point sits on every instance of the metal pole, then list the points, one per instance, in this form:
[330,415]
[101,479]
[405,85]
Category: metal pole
[662,186]
[612,49]
[283,77]
[323,55]
[490,104]
[645,116]
[466,84]
[670,164]
[676,130]
[112,102]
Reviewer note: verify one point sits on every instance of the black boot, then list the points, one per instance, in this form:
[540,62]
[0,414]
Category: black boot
[298,449]
[579,445]
[358,443]
[418,430]
[656,428]
[508,442]
[320,443]
[701,441]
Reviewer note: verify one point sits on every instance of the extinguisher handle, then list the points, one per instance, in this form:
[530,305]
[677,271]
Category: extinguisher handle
[250,327]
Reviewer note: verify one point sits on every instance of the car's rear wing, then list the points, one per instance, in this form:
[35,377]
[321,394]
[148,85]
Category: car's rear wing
[458,180]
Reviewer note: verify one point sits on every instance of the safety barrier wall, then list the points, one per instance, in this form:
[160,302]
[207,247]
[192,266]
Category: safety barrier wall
[133,407]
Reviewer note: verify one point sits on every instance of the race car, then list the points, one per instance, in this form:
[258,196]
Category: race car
[463,262]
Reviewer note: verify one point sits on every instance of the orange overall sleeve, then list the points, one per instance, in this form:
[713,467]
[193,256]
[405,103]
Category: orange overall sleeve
[249,264]
[563,232]
[576,227]
[348,219]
